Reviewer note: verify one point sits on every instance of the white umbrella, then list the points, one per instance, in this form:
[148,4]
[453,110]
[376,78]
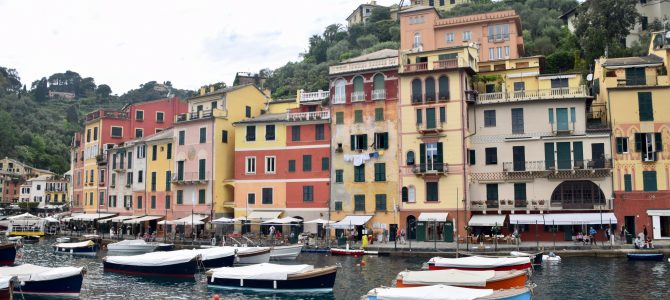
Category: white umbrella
[223,220]
[51,220]
[319,221]
[282,220]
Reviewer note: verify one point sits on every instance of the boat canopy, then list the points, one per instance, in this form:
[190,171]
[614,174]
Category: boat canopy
[75,245]
[448,277]
[351,221]
[431,292]
[263,271]
[5,280]
[428,217]
[479,262]
[487,220]
[153,259]
[28,272]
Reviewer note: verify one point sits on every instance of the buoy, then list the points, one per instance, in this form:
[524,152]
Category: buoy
[216,296]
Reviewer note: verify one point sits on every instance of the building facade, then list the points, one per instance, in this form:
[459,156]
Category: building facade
[13,174]
[439,4]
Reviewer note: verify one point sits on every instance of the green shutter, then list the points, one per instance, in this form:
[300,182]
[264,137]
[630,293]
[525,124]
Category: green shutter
[645,106]
[291,165]
[439,158]
[573,115]
[306,163]
[353,142]
[378,82]
[658,140]
[379,114]
[649,179]
[628,182]
[201,196]
[577,152]
[638,142]
[473,156]
[358,84]
[549,155]
[430,118]
[365,142]
[339,117]
[324,164]
[422,154]
[619,145]
[443,114]
[551,116]
[419,117]
[519,191]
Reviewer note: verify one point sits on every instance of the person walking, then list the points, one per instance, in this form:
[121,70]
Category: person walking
[645,233]
[623,234]
[592,235]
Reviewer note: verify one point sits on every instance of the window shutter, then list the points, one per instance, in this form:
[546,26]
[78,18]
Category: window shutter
[386,140]
[422,156]
[439,153]
[365,142]
[472,157]
[578,152]
[645,106]
[353,142]
[419,117]
[549,155]
[619,145]
[638,142]
[551,116]
[443,114]
[658,140]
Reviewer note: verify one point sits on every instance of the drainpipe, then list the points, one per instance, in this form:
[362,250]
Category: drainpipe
[463,116]
[611,126]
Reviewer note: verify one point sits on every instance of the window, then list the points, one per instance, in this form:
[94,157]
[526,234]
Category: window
[359,202]
[128,201]
[490,88]
[645,106]
[506,51]
[153,202]
[492,53]
[154,152]
[340,91]
[644,21]
[410,158]
[380,172]
[358,94]
[359,173]
[139,132]
[359,142]
[180,197]
[431,191]
[380,202]
[88,135]
[251,198]
[379,114]
[358,116]
[113,175]
[339,117]
[648,144]
[417,40]
[201,196]
[251,133]
[180,170]
[224,136]
[319,132]
[443,114]
[450,37]
[295,133]
[491,156]
[267,195]
[419,116]
[307,193]
[250,165]
[519,195]
[378,87]
[168,201]
[203,135]
[153,181]
[499,51]
[130,160]
[622,145]
[247,111]
[182,137]
[139,201]
[430,89]
[95,133]
[443,86]
[517,120]
[140,176]
[325,163]
[269,132]
[417,91]
[649,181]
[489,118]
[160,117]
[338,206]
[214,104]
[339,176]
[306,163]
[139,115]
[381,140]
[291,165]
[168,178]
[628,183]
[202,163]
[270,164]
[492,192]
[467,35]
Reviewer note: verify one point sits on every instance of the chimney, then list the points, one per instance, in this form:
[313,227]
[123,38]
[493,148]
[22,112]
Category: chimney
[202,90]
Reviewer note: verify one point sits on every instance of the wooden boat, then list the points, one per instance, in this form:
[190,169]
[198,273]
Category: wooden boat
[345,252]
[275,278]
[182,264]
[480,263]
[445,292]
[6,286]
[535,258]
[290,252]
[489,279]
[80,248]
[44,281]
[252,255]
[7,254]
[645,256]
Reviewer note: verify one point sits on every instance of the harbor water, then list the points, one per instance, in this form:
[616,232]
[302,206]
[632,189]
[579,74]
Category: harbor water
[573,278]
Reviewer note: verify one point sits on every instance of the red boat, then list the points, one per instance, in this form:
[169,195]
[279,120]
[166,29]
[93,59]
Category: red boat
[480,263]
[350,252]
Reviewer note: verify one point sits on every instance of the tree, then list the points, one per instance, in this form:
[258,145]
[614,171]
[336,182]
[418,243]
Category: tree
[367,41]
[379,14]
[40,90]
[103,91]
[10,82]
[603,25]
[86,86]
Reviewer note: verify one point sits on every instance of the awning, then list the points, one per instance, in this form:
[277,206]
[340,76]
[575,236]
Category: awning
[143,219]
[286,220]
[440,217]
[223,220]
[487,220]
[526,219]
[190,220]
[119,219]
[659,212]
[350,221]
[264,214]
[91,217]
[319,221]
[580,218]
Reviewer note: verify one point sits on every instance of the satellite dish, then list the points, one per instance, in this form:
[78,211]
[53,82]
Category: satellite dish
[589,77]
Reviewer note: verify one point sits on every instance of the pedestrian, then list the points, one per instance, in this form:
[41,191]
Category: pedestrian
[385,233]
[646,236]
[592,235]
[623,234]
[402,235]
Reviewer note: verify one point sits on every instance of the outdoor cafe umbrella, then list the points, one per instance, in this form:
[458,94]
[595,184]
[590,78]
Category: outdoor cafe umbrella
[223,220]
[319,221]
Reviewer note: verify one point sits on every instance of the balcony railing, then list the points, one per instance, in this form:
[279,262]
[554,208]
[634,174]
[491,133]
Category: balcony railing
[555,93]
[314,96]
[339,99]
[110,114]
[378,94]
[416,67]
[308,116]
[426,128]
[357,96]
[191,177]
[557,165]
[199,115]
[445,64]
[427,169]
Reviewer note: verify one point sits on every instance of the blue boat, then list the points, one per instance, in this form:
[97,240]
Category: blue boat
[645,256]
[274,278]
[7,254]
[177,264]
[81,248]
[44,281]
[445,292]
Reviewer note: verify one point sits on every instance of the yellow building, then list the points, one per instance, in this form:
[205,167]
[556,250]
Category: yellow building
[92,146]
[159,170]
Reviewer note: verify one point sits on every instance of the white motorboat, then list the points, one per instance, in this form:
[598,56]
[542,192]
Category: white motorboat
[132,246]
[63,239]
[252,255]
[285,252]
[45,281]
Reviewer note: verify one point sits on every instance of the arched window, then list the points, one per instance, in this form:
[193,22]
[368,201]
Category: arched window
[410,158]
[339,96]
[443,85]
[411,194]
[582,194]
[405,194]
[416,91]
[358,94]
[430,89]
[378,90]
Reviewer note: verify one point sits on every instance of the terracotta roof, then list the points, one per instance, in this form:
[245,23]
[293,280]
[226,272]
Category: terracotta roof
[384,53]
[634,60]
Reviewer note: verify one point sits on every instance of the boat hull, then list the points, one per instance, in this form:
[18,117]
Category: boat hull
[89,250]
[255,257]
[285,252]
[226,261]
[506,283]
[345,252]
[320,282]
[432,266]
[645,256]
[7,254]
[68,286]
[181,270]
[513,294]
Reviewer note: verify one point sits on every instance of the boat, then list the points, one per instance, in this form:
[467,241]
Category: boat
[80,248]
[275,278]
[535,258]
[445,292]
[7,254]
[63,239]
[215,257]
[645,256]
[45,281]
[182,264]
[552,257]
[252,255]
[31,239]
[7,284]
[346,252]
[480,263]
[488,279]
[15,238]
[132,246]
[164,247]
[290,252]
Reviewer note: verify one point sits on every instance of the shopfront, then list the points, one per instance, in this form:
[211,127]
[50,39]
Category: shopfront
[434,227]
[660,221]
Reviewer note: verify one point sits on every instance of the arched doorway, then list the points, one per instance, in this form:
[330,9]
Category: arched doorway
[411,227]
[577,194]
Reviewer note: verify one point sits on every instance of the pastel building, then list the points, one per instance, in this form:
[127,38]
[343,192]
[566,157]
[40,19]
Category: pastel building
[204,149]
[364,177]
[434,99]
[13,174]
[159,170]
[282,161]
[439,4]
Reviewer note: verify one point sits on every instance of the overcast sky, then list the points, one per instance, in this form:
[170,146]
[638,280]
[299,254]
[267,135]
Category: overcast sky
[191,43]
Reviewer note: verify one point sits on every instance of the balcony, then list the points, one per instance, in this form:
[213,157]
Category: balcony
[445,64]
[308,116]
[559,168]
[200,115]
[101,159]
[527,95]
[417,67]
[339,99]
[101,183]
[314,96]
[425,128]
[357,96]
[507,204]
[430,169]
[378,94]
[437,65]
[108,114]
[191,178]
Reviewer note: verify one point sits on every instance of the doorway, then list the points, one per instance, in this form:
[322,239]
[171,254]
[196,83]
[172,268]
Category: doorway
[411,227]
[598,155]
[630,224]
